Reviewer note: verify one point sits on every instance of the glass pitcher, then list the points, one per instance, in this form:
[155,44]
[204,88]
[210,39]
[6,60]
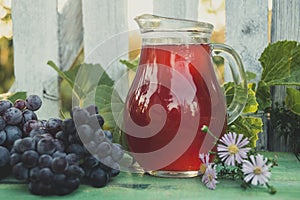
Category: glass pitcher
[175,93]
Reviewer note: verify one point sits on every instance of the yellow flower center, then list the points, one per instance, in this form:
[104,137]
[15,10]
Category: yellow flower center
[202,168]
[233,149]
[257,170]
[210,177]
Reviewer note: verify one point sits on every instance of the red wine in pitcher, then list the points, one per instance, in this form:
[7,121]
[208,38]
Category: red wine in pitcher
[175,92]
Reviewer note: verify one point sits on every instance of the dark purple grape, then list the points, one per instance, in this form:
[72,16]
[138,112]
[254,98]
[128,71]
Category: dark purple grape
[39,188]
[59,154]
[13,133]
[92,109]
[115,170]
[77,149]
[59,164]
[59,180]
[30,158]
[45,160]
[28,115]
[46,146]
[59,145]
[34,174]
[38,131]
[103,149]
[74,139]
[14,159]
[33,102]
[4,156]
[2,137]
[30,125]
[26,144]
[72,183]
[2,123]
[61,135]
[99,136]
[20,104]
[13,116]
[72,159]
[46,175]
[91,162]
[4,105]
[20,172]
[74,171]
[108,135]
[68,126]
[116,152]
[80,116]
[86,133]
[54,125]
[98,178]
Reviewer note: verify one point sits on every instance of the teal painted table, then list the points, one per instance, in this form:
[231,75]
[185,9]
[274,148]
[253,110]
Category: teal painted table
[285,177]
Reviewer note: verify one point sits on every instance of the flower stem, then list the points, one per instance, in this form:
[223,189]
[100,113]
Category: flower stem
[205,129]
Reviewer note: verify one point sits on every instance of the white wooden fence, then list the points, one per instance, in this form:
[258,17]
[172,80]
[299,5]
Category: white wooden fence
[58,29]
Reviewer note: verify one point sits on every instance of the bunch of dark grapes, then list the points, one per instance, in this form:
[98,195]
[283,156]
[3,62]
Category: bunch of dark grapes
[40,161]
[83,135]
[14,118]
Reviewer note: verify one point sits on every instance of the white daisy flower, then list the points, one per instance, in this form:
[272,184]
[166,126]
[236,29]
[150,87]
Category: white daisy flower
[210,177]
[256,170]
[233,148]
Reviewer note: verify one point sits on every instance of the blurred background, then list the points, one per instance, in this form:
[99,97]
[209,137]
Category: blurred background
[212,11]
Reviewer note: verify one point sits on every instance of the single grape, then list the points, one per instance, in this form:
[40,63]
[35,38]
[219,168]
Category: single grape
[45,160]
[54,125]
[46,146]
[4,105]
[103,149]
[20,172]
[14,159]
[59,180]
[2,123]
[26,144]
[46,175]
[72,159]
[72,183]
[28,115]
[13,133]
[61,135]
[98,177]
[91,162]
[20,104]
[59,164]
[74,139]
[85,132]
[115,170]
[74,171]
[2,137]
[59,145]
[38,131]
[33,102]
[68,126]
[108,135]
[30,158]
[34,174]
[59,154]
[4,156]
[77,149]
[13,116]
[117,152]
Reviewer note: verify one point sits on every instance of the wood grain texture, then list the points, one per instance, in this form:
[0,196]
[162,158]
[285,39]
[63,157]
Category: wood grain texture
[35,42]
[186,9]
[285,26]
[106,38]
[70,32]
[247,31]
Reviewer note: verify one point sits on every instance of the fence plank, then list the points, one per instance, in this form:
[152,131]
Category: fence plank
[35,42]
[70,34]
[187,9]
[285,26]
[247,31]
[105,37]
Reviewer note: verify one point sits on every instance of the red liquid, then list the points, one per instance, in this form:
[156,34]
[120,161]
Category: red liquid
[181,79]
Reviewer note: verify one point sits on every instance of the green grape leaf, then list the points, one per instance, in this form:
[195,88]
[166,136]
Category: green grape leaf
[131,65]
[280,62]
[251,104]
[248,126]
[13,97]
[263,96]
[292,100]
[250,76]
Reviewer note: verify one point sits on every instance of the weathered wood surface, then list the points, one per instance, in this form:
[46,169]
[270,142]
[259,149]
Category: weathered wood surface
[285,26]
[247,31]
[35,40]
[285,178]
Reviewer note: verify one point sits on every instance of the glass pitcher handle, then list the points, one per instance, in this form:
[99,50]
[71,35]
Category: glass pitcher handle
[239,78]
